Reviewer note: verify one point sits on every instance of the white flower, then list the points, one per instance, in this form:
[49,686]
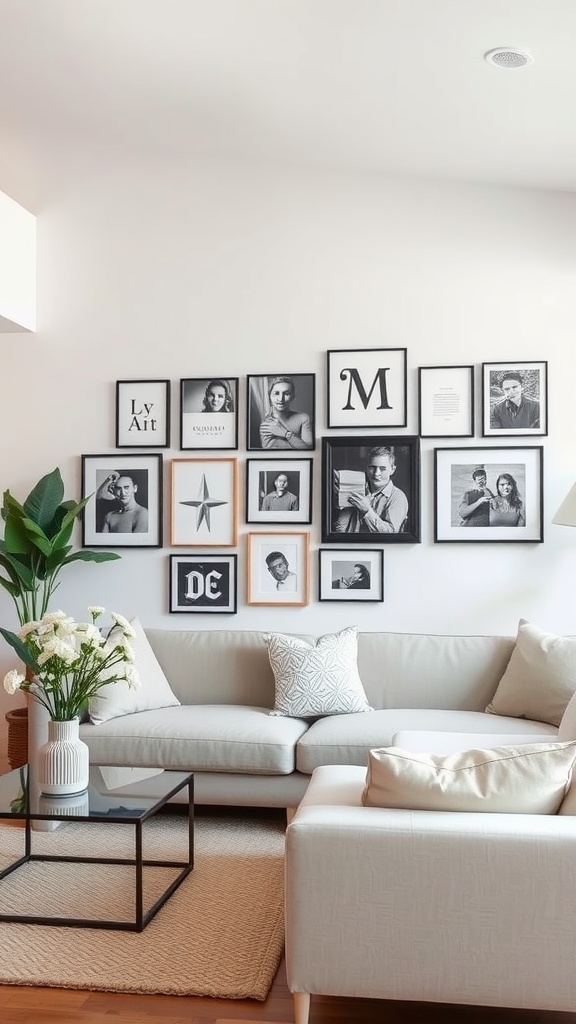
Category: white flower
[13,680]
[86,631]
[57,648]
[96,610]
[53,618]
[127,650]
[132,677]
[27,628]
[123,623]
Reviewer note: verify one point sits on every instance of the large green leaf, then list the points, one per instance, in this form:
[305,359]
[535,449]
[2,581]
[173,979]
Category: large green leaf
[17,571]
[21,649]
[57,559]
[12,588]
[92,556]
[44,499]
[16,537]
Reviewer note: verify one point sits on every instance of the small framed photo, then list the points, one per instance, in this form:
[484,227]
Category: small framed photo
[351,575]
[281,412]
[367,387]
[203,583]
[208,413]
[371,489]
[488,494]
[514,399]
[125,506]
[142,413]
[446,401]
[204,502]
[278,568]
[279,491]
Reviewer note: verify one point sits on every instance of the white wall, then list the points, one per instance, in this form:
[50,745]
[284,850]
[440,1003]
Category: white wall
[167,270]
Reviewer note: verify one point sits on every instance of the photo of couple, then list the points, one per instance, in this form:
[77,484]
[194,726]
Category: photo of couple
[491,497]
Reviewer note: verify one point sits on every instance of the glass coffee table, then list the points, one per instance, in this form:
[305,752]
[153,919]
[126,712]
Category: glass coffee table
[113,797]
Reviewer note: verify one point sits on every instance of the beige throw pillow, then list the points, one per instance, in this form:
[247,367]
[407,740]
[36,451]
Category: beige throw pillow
[528,779]
[540,677]
[116,699]
[319,680]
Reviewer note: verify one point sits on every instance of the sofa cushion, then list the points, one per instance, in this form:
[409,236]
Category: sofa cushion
[540,678]
[207,737]
[528,779]
[116,699]
[347,739]
[319,679]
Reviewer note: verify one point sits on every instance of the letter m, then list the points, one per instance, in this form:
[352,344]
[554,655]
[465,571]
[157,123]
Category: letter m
[354,380]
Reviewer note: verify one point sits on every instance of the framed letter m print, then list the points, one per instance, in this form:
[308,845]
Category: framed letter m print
[367,387]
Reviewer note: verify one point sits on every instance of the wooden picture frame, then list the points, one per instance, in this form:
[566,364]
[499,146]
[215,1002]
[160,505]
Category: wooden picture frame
[488,495]
[515,399]
[279,491]
[367,388]
[352,574]
[278,569]
[208,413]
[446,401]
[143,413]
[125,503]
[371,489]
[204,498]
[204,584]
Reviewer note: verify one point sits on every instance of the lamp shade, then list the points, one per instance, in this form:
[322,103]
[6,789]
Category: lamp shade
[566,514]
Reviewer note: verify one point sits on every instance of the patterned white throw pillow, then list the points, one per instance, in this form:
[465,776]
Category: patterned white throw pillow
[319,680]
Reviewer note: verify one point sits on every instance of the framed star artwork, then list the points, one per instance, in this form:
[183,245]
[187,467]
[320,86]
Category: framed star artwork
[204,502]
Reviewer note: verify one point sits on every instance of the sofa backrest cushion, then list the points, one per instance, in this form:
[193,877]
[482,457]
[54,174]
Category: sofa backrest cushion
[207,666]
[540,678]
[420,670]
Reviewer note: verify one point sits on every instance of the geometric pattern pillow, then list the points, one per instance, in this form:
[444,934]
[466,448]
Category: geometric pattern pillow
[540,678]
[527,779]
[319,680]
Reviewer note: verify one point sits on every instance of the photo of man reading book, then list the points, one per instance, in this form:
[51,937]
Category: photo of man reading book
[367,501]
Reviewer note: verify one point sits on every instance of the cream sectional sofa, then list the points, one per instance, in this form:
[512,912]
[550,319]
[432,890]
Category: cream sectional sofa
[222,728]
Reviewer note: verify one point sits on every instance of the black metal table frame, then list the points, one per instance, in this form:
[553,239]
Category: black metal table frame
[141,917]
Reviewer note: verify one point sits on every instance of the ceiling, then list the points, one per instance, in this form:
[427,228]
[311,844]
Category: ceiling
[386,86]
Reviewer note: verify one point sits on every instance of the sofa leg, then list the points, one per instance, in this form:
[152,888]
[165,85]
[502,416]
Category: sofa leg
[301,1007]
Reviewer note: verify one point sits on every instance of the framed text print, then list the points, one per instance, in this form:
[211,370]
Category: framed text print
[203,583]
[125,501]
[446,401]
[367,387]
[142,413]
[204,499]
[488,494]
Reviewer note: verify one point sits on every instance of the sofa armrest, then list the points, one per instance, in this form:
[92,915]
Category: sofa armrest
[422,905]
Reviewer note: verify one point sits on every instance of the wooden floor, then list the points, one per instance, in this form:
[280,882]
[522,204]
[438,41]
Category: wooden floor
[20,1005]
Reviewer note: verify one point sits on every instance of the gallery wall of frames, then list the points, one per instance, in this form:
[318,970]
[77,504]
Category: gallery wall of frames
[484,492]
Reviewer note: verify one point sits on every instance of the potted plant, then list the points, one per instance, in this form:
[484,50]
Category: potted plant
[35,549]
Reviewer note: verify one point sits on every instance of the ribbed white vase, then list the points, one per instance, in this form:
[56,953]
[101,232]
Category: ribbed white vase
[63,760]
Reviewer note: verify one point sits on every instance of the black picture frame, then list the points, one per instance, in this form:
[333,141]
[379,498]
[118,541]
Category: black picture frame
[489,495]
[142,414]
[266,431]
[446,401]
[204,584]
[202,426]
[348,457]
[289,504]
[366,388]
[107,515]
[504,385]
[352,574]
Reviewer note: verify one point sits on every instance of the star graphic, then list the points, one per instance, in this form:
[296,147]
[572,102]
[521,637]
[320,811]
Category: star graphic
[203,504]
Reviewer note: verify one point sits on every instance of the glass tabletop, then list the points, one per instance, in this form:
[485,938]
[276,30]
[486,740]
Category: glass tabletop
[114,793]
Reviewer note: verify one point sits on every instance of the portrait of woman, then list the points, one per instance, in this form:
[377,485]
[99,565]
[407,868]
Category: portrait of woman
[281,412]
[506,507]
[217,397]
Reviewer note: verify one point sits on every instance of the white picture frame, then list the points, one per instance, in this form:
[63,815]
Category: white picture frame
[267,554]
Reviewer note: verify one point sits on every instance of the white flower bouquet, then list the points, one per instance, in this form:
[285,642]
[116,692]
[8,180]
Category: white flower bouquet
[71,660]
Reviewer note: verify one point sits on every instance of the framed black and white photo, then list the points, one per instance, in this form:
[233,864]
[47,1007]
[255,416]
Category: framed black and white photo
[279,490]
[371,489]
[446,401]
[204,502]
[203,583]
[488,494]
[366,387]
[514,399]
[142,413]
[208,413]
[281,412]
[351,575]
[125,506]
[278,568]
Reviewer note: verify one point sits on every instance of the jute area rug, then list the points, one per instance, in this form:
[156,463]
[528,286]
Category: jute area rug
[220,934]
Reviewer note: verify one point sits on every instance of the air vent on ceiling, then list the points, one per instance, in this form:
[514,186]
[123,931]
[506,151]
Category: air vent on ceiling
[508,57]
